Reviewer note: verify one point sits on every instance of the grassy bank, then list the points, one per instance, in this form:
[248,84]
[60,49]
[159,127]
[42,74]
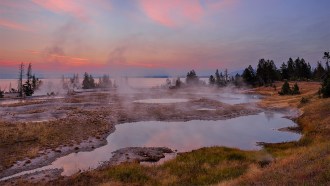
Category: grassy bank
[306,161]
[200,167]
[26,140]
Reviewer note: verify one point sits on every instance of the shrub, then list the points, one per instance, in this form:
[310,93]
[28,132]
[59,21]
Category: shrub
[286,90]
[295,89]
[325,89]
[304,100]
[1,93]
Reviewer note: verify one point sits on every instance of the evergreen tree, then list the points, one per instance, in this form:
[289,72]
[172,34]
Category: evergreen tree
[211,80]
[91,81]
[178,83]
[325,89]
[286,90]
[291,69]
[319,71]
[326,56]
[217,77]
[27,87]
[266,72]
[226,75]
[86,82]
[192,78]
[249,75]
[1,93]
[295,89]
[20,80]
[284,71]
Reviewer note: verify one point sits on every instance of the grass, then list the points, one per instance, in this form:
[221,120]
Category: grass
[200,167]
[305,162]
[21,140]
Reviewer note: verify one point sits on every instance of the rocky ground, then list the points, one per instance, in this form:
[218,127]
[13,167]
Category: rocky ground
[68,120]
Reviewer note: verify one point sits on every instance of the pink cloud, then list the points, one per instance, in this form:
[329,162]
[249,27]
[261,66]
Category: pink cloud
[64,6]
[217,5]
[83,10]
[172,12]
[13,6]
[58,56]
[13,25]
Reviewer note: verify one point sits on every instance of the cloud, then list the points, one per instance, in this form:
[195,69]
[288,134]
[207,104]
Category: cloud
[215,5]
[172,13]
[82,10]
[64,6]
[13,25]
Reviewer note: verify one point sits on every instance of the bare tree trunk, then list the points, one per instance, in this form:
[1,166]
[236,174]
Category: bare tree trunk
[20,80]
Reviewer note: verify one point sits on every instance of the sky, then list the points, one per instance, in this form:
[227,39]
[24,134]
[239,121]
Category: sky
[158,37]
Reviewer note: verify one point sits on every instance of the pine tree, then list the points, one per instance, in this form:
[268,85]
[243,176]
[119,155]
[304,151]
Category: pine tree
[192,78]
[27,87]
[249,75]
[291,69]
[178,83]
[211,80]
[85,83]
[286,90]
[325,89]
[20,80]
[295,89]
[1,93]
[284,71]
[217,77]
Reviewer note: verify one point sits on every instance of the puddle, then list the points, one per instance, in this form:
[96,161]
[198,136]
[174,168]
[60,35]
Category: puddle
[161,101]
[242,132]
[206,109]
[10,102]
[48,97]
[234,99]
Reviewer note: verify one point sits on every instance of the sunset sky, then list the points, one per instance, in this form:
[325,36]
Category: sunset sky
[159,37]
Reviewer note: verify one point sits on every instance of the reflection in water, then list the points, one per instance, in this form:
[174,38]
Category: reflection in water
[161,100]
[11,101]
[233,99]
[242,132]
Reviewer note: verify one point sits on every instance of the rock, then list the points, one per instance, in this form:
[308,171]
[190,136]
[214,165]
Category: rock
[139,154]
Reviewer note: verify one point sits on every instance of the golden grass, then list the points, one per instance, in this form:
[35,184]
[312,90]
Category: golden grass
[21,140]
[296,163]
[306,162]
[200,167]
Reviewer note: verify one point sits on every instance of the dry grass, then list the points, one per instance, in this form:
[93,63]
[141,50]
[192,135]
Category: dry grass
[306,162]
[201,167]
[21,140]
[274,100]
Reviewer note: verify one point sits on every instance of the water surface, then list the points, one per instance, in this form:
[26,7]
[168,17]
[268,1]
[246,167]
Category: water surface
[241,132]
[161,100]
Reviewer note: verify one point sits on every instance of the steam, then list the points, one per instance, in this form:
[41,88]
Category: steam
[50,86]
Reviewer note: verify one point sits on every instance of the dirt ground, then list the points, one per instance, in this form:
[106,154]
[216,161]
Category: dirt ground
[36,132]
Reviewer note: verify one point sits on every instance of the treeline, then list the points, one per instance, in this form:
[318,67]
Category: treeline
[89,82]
[219,79]
[293,70]
[223,79]
[25,87]
[31,84]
